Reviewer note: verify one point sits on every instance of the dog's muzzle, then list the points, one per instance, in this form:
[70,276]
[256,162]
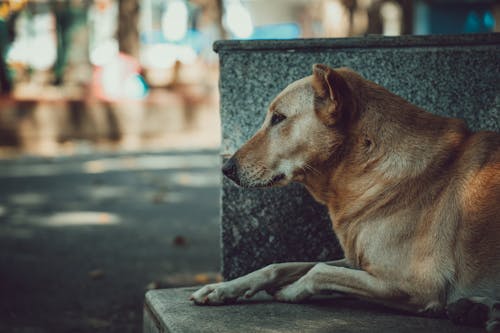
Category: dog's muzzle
[230,170]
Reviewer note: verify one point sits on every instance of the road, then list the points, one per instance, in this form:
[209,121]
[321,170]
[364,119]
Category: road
[83,237]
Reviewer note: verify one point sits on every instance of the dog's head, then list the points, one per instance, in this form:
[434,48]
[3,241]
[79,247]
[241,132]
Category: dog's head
[302,129]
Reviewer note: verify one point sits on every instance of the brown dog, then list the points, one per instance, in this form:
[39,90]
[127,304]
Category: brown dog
[414,199]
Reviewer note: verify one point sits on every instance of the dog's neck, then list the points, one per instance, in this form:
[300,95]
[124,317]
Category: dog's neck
[382,149]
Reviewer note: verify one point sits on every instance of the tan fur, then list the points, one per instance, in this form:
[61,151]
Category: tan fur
[414,198]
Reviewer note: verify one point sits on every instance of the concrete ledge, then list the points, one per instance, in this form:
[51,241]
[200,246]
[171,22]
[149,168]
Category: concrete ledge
[370,41]
[169,310]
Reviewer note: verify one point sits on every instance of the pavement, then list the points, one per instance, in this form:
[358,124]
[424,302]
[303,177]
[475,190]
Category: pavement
[83,238]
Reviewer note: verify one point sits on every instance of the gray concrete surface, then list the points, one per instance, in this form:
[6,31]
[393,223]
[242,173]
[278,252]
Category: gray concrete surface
[455,76]
[82,238]
[168,311]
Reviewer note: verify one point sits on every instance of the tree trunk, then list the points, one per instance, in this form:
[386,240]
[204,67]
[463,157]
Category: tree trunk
[5,83]
[407,20]
[128,23]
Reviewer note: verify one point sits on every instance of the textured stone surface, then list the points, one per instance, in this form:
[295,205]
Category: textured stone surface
[455,76]
[169,311]
[261,226]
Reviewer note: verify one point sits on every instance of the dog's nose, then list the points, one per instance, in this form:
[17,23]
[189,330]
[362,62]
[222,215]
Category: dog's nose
[230,170]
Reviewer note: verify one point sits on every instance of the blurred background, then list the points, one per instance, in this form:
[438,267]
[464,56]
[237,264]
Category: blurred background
[130,74]
[109,136]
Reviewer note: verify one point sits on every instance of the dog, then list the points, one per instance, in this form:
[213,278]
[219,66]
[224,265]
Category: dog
[414,199]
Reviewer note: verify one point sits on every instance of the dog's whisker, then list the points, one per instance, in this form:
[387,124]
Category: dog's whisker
[312,169]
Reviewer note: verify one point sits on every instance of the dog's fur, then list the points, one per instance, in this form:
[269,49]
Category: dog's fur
[414,199]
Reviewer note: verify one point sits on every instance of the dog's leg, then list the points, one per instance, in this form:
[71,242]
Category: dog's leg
[324,278]
[270,278]
[339,263]
[476,311]
[280,283]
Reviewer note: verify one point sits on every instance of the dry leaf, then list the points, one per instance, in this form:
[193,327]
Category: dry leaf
[98,323]
[179,241]
[201,278]
[152,285]
[96,274]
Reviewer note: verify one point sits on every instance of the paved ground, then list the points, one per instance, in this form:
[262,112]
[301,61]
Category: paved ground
[82,238]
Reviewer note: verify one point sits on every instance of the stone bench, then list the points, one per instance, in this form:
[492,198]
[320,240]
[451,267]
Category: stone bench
[169,311]
[455,76]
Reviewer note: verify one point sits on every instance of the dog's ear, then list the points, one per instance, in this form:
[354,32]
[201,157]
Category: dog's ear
[329,89]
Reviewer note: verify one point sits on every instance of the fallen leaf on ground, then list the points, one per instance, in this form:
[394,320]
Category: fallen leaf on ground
[159,198]
[96,274]
[179,241]
[185,280]
[153,285]
[201,278]
[98,323]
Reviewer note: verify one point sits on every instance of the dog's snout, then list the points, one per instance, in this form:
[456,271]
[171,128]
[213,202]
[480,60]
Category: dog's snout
[230,170]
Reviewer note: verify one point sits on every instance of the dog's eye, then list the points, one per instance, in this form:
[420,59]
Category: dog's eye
[277,118]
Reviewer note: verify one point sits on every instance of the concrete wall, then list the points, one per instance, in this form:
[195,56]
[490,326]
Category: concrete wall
[456,76]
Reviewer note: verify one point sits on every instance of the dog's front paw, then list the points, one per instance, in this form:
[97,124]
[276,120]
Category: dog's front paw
[220,293]
[214,294]
[295,292]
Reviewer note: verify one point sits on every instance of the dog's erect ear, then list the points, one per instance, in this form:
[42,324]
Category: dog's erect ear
[323,81]
[328,88]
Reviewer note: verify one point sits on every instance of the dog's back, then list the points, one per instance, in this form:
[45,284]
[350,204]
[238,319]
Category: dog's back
[477,251]
[437,181]
[452,178]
